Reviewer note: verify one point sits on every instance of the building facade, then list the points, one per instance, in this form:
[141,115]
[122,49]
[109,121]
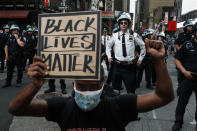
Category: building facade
[151,12]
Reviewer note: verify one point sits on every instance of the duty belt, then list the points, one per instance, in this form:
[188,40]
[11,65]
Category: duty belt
[124,63]
[16,53]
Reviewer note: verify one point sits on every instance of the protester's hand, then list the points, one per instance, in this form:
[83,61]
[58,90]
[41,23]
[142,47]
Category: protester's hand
[37,71]
[139,63]
[110,60]
[188,74]
[155,49]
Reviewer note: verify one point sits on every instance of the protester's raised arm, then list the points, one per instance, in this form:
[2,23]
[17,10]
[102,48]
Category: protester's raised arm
[164,92]
[24,104]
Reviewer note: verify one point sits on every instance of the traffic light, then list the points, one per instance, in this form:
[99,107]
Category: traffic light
[46,3]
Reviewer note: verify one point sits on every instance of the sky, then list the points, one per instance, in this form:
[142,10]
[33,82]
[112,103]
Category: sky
[189,5]
[132,10]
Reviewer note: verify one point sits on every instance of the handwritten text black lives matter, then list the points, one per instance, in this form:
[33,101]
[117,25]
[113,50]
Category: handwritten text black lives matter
[70,45]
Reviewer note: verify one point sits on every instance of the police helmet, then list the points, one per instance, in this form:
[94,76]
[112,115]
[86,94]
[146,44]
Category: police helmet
[187,23]
[104,30]
[28,26]
[161,34]
[144,33]
[35,29]
[30,29]
[14,27]
[124,16]
[149,31]
[6,26]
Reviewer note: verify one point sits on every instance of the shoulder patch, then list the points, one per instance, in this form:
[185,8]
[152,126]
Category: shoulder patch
[188,45]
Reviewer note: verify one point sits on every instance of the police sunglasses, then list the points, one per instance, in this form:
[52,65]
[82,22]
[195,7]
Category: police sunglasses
[124,23]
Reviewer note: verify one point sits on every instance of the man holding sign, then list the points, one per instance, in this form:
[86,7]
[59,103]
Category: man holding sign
[88,109]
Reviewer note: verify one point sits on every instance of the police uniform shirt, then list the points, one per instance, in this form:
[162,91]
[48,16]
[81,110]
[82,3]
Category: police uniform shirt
[130,42]
[1,36]
[187,55]
[13,45]
[4,39]
[105,39]
[30,41]
[182,38]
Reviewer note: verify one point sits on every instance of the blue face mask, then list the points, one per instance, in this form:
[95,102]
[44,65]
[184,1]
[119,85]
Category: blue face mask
[87,100]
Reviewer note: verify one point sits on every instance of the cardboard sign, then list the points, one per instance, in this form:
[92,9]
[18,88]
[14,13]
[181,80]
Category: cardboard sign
[70,44]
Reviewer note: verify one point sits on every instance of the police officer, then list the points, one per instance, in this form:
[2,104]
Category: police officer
[51,83]
[186,62]
[35,32]
[14,56]
[30,45]
[3,41]
[145,65]
[105,38]
[182,38]
[161,37]
[123,43]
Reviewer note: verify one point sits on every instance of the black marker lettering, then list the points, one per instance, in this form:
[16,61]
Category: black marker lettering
[88,23]
[74,64]
[70,63]
[57,60]
[56,42]
[47,59]
[87,60]
[69,26]
[64,44]
[50,23]
[77,25]
[64,60]
[72,42]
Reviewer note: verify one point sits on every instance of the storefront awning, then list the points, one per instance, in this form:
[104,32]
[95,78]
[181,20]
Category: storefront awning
[14,14]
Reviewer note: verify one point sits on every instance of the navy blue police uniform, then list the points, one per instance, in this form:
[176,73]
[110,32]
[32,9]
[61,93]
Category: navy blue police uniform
[15,58]
[51,83]
[187,55]
[147,66]
[182,38]
[3,40]
[30,42]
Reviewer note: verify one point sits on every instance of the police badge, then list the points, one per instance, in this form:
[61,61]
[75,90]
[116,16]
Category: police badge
[131,38]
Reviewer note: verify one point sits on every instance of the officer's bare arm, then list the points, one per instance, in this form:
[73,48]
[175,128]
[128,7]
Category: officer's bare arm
[24,104]
[179,65]
[186,73]
[6,50]
[20,43]
[164,92]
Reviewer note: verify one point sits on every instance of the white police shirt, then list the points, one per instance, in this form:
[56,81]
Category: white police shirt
[130,41]
[103,38]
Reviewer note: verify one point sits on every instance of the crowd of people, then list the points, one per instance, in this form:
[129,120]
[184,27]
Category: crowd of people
[126,55]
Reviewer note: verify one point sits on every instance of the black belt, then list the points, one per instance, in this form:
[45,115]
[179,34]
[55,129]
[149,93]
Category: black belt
[16,54]
[124,63]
